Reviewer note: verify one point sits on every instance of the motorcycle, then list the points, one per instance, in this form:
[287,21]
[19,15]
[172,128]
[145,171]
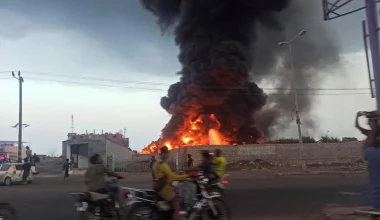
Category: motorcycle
[147,204]
[7,212]
[218,186]
[97,206]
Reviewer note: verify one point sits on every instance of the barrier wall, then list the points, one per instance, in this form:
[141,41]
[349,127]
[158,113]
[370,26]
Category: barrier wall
[280,154]
[277,154]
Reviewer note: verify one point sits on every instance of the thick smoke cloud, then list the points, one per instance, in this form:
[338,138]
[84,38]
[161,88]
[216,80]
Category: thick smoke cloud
[227,46]
[214,38]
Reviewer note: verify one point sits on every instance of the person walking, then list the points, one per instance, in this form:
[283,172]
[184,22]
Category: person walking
[66,167]
[152,164]
[28,153]
[36,160]
[190,161]
[26,169]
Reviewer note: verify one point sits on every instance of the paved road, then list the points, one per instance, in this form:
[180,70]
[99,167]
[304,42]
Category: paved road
[249,198]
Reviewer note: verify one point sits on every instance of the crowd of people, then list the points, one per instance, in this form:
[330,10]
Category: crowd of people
[213,166]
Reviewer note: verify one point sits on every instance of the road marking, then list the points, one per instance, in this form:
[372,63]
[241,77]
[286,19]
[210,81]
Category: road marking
[350,193]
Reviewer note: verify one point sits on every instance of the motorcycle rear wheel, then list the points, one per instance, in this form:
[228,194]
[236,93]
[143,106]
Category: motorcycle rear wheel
[142,211]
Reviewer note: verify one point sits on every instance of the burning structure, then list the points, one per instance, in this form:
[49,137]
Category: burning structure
[216,97]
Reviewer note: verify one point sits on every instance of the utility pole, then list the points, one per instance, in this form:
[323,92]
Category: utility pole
[373,34]
[20,81]
[298,120]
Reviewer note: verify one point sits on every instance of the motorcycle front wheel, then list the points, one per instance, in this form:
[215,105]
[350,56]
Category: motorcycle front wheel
[222,211]
[7,214]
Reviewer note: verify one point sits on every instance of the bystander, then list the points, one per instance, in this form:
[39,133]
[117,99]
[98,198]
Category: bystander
[190,161]
[66,167]
[26,170]
[28,153]
[372,153]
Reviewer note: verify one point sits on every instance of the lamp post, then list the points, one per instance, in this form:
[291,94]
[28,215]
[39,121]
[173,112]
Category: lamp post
[298,121]
[20,80]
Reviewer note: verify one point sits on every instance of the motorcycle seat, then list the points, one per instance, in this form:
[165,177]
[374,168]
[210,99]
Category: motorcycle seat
[94,196]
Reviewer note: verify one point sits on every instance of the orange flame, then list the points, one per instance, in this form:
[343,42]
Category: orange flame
[193,133]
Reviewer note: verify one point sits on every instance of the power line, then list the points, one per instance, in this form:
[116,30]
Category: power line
[157,89]
[164,84]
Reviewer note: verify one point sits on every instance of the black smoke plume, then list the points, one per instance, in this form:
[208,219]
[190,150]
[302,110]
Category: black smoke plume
[218,52]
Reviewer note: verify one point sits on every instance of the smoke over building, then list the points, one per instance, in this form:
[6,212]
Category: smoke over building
[226,47]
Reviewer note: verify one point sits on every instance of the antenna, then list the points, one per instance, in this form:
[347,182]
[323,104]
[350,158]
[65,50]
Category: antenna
[72,128]
[125,131]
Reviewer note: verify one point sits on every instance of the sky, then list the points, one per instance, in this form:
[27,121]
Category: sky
[107,63]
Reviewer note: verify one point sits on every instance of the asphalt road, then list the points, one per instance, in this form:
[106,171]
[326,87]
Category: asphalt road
[249,198]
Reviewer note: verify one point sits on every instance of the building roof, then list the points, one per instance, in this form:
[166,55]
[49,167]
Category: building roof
[11,142]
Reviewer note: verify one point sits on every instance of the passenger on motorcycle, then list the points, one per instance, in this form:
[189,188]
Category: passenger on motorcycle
[220,163]
[95,181]
[164,178]
[206,165]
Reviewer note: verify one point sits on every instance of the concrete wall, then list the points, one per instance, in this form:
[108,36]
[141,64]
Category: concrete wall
[119,152]
[280,154]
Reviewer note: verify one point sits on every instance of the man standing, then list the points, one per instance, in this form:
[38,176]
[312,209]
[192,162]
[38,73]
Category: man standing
[151,165]
[28,153]
[66,167]
[190,161]
[26,169]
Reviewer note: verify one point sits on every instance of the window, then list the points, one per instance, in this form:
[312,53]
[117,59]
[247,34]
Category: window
[5,167]
[19,167]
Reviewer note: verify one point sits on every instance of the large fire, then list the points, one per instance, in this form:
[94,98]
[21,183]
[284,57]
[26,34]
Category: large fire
[194,133]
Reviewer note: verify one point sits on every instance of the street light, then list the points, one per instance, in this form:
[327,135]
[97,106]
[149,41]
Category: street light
[298,121]
[23,126]
[20,80]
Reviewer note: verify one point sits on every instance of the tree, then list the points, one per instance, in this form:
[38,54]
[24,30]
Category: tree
[329,139]
[305,139]
[308,139]
[348,139]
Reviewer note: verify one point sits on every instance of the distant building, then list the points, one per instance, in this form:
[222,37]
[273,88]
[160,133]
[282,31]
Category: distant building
[78,148]
[9,150]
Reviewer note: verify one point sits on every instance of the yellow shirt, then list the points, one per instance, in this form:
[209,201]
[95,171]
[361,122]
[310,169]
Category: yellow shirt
[220,165]
[163,169]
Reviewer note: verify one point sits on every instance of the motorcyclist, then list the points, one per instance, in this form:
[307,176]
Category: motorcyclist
[95,180]
[164,178]
[220,163]
[206,165]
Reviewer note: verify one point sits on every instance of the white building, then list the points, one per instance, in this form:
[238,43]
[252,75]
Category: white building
[78,148]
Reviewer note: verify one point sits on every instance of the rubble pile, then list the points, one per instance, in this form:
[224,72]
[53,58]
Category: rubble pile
[358,165]
[249,165]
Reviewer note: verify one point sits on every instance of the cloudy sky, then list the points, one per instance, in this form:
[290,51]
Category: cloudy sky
[106,63]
